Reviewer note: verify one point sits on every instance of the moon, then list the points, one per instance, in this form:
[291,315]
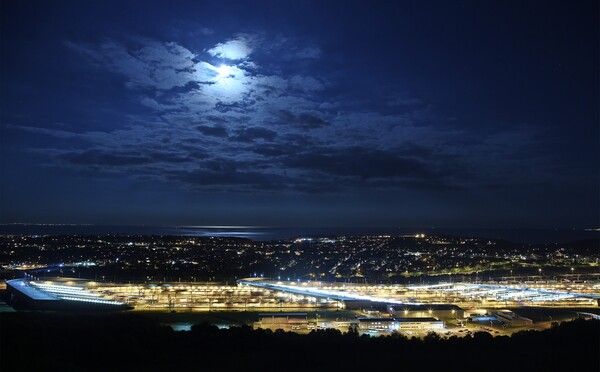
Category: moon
[224,71]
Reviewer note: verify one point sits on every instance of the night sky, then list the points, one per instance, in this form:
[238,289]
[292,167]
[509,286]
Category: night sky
[300,113]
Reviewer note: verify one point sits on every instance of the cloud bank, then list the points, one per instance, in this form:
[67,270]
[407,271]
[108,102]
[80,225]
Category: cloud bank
[218,117]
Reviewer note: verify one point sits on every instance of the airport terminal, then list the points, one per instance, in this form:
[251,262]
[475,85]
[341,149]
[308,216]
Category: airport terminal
[303,306]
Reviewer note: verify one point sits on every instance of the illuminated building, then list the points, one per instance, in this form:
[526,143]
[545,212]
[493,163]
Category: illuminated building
[512,319]
[440,311]
[285,321]
[377,324]
[419,324]
[399,324]
[51,296]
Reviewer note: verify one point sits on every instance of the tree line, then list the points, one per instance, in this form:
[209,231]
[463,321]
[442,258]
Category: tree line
[81,342]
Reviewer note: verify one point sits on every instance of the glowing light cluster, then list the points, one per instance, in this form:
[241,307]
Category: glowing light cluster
[318,292]
[60,289]
[71,293]
[96,301]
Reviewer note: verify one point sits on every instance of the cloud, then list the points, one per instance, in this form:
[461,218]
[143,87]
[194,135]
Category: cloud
[212,131]
[248,125]
[146,63]
[303,119]
[306,83]
[273,150]
[154,104]
[235,49]
[253,134]
[362,163]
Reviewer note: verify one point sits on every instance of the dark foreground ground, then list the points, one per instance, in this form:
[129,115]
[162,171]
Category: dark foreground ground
[31,341]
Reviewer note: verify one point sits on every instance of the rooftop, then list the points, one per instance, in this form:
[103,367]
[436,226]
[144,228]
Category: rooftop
[407,320]
[22,286]
[281,315]
[376,319]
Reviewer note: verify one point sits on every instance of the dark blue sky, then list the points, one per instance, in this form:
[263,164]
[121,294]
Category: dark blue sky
[305,113]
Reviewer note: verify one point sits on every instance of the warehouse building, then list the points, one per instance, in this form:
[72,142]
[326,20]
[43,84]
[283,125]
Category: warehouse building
[513,319]
[399,324]
[377,324]
[285,321]
[440,311]
[405,324]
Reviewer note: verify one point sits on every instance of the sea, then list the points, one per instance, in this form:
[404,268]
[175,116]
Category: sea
[265,233]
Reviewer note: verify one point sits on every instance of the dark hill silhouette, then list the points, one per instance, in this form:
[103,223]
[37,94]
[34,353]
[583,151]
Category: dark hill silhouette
[53,341]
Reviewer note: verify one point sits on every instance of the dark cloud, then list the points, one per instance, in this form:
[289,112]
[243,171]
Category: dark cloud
[310,121]
[415,150]
[168,157]
[273,150]
[239,107]
[212,131]
[297,140]
[362,163]
[254,133]
[304,120]
[221,166]
[223,120]
[197,154]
